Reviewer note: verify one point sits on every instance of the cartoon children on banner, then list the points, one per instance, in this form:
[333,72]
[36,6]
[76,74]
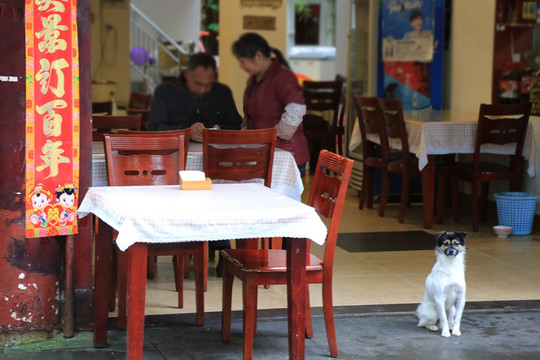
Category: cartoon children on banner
[44,213]
[40,199]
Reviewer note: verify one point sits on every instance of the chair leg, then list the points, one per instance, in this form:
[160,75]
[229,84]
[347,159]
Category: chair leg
[185,272]
[178,262]
[328,312]
[226,303]
[385,189]
[484,199]
[405,189]
[122,287]
[152,267]
[114,281]
[199,258]
[205,265]
[250,316]
[370,189]
[474,198]
[309,320]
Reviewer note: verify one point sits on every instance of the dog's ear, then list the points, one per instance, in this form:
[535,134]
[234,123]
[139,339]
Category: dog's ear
[439,236]
[462,236]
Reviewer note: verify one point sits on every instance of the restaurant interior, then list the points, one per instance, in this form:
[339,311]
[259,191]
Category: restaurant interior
[379,260]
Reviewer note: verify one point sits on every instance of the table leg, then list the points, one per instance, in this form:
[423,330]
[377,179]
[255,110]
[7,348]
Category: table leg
[102,282]
[428,191]
[296,297]
[136,297]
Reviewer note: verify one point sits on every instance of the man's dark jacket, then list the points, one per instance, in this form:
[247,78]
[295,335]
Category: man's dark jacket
[174,107]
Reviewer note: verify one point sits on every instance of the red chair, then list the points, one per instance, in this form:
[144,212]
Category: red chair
[322,97]
[103,124]
[268,266]
[152,159]
[406,165]
[500,125]
[139,103]
[370,123]
[152,260]
[239,155]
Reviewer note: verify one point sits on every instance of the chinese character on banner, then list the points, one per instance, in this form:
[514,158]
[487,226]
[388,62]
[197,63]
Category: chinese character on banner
[52,117]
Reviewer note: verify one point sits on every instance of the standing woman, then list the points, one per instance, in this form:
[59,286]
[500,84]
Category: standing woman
[272,97]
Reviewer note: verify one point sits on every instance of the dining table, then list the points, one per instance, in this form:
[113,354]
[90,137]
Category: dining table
[286,177]
[440,132]
[168,214]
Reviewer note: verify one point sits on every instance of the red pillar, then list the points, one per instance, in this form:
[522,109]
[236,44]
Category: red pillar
[31,269]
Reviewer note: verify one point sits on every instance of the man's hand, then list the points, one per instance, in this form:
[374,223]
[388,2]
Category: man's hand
[196,131]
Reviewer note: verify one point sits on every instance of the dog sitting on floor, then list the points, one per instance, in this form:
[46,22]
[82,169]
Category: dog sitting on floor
[444,298]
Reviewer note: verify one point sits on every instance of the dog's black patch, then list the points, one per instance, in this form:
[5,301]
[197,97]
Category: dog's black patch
[385,241]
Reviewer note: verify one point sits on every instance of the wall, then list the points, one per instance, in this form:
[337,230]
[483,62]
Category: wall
[469,67]
[230,28]
[181,20]
[110,48]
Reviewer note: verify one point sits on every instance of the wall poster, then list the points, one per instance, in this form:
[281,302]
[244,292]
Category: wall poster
[52,117]
[408,46]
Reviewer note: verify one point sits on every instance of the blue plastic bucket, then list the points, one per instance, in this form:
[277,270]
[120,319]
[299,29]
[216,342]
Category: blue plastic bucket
[516,209]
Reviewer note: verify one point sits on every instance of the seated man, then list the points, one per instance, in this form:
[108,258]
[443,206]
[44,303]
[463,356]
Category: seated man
[194,100]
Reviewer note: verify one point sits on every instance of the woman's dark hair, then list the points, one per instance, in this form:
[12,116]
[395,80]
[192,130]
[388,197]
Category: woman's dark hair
[414,15]
[249,43]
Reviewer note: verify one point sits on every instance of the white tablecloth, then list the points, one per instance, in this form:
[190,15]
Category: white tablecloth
[286,177]
[228,211]
[451,132]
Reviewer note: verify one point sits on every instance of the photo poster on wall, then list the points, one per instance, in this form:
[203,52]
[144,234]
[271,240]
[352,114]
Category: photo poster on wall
[410,52]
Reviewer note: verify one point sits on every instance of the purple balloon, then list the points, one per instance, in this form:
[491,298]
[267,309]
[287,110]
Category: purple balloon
[139,56]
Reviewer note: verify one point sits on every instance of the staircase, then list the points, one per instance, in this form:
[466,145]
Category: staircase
[154,55]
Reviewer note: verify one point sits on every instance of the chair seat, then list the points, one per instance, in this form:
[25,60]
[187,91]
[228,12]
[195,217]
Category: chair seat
[398,166]
[265,260]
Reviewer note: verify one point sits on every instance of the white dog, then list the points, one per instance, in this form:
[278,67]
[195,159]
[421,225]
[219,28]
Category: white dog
[444,298]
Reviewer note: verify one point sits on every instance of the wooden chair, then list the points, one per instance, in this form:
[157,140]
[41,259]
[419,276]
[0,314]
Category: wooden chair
[268,266]
[102,107]
[500,125]
[103,124]
[406,164]
[340,124]
[152,260]
[321,97]
[370,123]
[239,155]
[139,103]
[153,159]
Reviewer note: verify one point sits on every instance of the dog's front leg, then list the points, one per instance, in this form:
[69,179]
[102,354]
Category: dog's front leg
[441,311]
[460,305]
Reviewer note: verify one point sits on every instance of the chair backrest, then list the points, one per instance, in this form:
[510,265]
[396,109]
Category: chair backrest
[141,159]
[103,124]
[185,132]
[369,120]
[327,196]
[394,128]
[139,100]
[102,107]
[502,124]
[239,154]
[342,102]
[323,96]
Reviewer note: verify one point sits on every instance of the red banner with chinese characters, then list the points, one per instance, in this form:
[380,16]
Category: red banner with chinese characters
[52,117]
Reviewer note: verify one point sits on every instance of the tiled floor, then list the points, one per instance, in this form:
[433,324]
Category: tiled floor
[497,269]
